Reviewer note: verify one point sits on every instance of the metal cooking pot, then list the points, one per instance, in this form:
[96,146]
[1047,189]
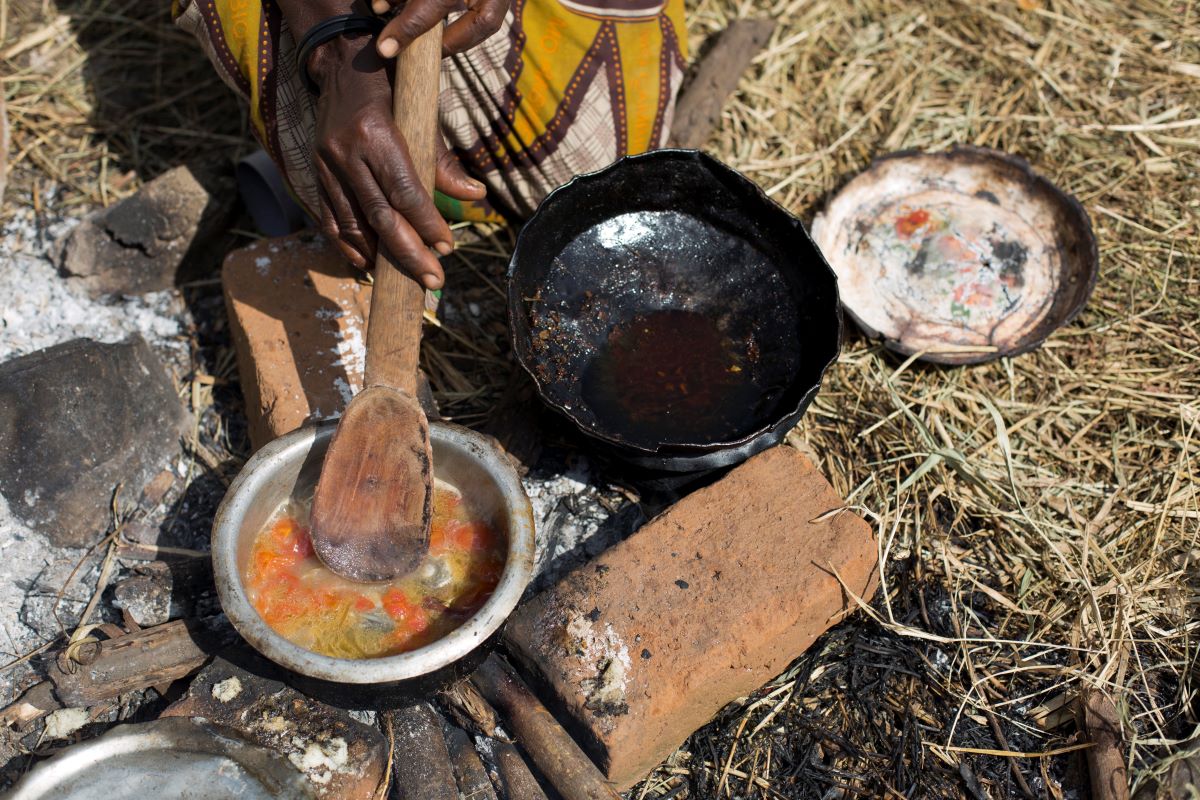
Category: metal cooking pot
[290,466]
[680,318]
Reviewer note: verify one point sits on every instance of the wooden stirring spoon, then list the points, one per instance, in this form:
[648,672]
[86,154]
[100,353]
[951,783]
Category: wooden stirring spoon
[372,508]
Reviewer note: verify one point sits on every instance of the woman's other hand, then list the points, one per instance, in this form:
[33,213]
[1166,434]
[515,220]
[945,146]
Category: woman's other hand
[481,19]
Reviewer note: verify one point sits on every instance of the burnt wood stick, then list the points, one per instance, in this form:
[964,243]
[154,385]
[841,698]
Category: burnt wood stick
[698,110]
[1105,758]
[469,709]
[515,781]
[148,657]
[34,703]
[421,762]
[473,781]
[552,749]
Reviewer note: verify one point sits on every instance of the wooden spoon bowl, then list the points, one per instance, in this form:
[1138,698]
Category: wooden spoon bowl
[374,503]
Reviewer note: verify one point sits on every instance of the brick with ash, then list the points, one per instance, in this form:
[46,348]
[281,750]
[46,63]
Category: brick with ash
[704,604]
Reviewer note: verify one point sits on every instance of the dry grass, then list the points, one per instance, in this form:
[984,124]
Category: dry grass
[1038,517]
[104,94]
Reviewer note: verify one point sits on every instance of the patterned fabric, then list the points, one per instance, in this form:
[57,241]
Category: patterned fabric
[566,86]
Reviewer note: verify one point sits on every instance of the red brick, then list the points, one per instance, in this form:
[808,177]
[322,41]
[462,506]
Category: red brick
[298,315]
[297,312]
[704,604]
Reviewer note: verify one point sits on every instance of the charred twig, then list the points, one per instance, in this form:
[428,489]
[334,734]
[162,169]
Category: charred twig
[553,750]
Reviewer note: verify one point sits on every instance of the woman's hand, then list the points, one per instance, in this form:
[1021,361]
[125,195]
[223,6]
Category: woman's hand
[481,19]
[370,192]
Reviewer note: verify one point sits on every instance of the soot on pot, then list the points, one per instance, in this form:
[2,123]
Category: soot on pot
[675,314]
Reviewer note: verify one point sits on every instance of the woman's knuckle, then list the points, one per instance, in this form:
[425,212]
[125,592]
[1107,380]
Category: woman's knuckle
[379,216]
[411,27]
[491,16]
[362,127]
[403,195]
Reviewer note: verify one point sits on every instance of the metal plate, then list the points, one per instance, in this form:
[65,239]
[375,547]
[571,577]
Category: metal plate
[168,759]
[962,256]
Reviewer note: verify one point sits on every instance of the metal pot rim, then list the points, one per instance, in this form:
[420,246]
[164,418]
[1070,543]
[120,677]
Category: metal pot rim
[518,567]
[185,745]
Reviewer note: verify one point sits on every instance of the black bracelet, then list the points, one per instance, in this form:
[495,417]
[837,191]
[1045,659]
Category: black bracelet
[328,29]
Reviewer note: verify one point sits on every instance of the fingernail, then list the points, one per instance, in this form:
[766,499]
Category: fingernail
[474,184]
[379,6]
[430,281]
[444,248]
[388,48]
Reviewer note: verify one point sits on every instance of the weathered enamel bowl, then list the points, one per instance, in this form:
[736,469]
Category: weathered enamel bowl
[961,256]
[173,758]
[289,467]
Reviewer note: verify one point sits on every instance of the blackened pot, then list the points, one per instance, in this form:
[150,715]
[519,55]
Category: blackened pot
[675,314]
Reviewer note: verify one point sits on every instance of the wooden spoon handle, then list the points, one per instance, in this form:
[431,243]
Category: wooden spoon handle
[397,300]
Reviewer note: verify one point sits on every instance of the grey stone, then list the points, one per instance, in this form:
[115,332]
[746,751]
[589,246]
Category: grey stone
[78,421]
[160,591]
[146,598]
[165,234]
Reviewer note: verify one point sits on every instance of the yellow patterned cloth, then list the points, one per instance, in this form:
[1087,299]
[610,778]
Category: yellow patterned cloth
[565,87]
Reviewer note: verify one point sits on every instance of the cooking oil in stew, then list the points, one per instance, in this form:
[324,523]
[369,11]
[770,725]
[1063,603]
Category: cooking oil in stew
[673,376]
[311,606]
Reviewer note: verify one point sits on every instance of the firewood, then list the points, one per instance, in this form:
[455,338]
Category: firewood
[516,782]
[698,109]
[1106,762]
[421,762]
[473,781]
[90,674]
[552,749]
[34,703]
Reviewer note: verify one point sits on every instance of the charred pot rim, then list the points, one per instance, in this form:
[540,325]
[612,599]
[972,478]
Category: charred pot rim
[1078,248]
[700,186]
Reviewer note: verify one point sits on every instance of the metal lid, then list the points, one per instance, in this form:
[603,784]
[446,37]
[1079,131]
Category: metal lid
[168,759]
[962,256]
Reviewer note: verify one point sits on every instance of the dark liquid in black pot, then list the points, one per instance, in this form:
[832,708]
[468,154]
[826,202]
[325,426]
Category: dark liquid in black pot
[673,376]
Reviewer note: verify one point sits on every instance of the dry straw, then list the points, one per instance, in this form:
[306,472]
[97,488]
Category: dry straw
[1037,517]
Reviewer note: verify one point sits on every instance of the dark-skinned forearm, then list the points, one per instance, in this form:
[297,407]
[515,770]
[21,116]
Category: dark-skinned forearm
[302,15]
